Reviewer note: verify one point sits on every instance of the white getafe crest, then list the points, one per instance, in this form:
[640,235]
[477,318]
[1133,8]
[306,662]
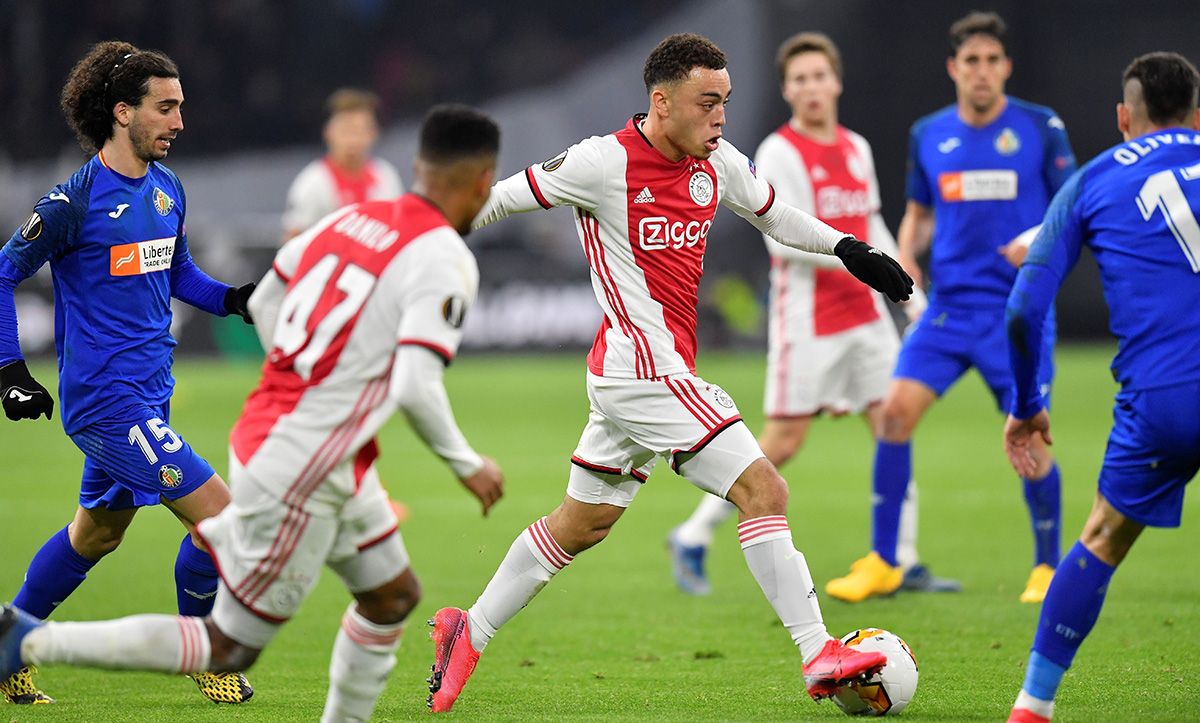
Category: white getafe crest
[701,188]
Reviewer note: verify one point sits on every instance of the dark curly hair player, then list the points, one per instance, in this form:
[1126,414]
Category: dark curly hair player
[115,239]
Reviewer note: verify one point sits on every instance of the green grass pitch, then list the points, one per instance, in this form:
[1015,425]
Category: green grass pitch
[611,638]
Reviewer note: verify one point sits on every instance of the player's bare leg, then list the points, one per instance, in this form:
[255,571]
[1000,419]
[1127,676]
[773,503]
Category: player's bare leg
[92,534]
[761,495]
[196,581]
[688,543]
[879,573]
[538,553]
[364,652]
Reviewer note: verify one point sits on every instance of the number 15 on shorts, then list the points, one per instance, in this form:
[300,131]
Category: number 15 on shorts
[164,435]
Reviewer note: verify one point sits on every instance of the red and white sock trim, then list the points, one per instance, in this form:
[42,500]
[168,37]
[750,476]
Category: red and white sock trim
[369,634]
[758,530]
[542,543]
[195,649]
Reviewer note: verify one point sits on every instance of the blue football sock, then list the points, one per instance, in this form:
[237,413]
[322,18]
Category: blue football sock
[195,580]
[1044,499]
[893,468]
[1069,611]
[1042,676]
[54,573]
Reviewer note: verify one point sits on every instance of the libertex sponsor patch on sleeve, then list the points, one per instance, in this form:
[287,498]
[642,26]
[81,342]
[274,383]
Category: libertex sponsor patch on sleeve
[983,185]
[142,257]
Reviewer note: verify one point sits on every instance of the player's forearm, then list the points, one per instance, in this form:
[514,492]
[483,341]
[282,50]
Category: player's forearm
[512,195]
[793,228]
[191,285]
[1029,304]
[10,345]
[418,390]
[786,253]
[915,232]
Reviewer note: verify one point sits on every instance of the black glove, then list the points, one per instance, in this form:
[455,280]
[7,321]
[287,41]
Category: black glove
[236,299]
[23,398]
[874,268]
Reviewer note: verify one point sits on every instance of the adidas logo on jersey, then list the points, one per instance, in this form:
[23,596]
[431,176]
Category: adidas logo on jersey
[645,196]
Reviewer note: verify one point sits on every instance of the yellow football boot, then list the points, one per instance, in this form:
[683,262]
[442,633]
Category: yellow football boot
[869,576]
[1039,583]
[19,689]
[224,687]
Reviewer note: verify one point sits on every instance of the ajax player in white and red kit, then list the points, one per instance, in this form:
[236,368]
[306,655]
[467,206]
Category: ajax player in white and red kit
[644,200]
[359,315]
[347,173]
[832,343]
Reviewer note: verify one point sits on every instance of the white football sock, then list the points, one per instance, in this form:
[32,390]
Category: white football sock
[167,643]
[532,560]
[698,530]
[906,537]
[783,575]
[364,653]
[1044,708]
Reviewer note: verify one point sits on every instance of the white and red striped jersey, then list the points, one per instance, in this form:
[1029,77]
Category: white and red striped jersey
[322,188]
[644,221]
[836,183]
[364,281]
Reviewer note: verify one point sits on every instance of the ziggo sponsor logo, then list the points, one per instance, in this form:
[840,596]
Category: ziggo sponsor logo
[656,232]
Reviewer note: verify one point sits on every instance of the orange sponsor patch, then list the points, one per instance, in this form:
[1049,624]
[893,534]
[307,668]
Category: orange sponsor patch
[142,257]
[950,184]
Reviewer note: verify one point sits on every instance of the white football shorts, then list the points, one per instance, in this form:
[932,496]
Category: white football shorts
[270,554]
[692,423]
[841,373]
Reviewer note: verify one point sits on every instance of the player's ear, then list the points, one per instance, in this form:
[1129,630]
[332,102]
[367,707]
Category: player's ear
[660,102]
[1196,120]
[951,70]
[1123,120]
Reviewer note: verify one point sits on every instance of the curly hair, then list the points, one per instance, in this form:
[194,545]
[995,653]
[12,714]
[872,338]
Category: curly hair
[112,72]
[673,58]
[451,132]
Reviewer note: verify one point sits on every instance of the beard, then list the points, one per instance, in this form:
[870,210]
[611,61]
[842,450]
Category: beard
[143,139]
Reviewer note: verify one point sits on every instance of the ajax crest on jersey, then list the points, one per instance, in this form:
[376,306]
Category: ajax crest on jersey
[162,202]
[1007,143]
[701,188]
[170,476]
[889,691]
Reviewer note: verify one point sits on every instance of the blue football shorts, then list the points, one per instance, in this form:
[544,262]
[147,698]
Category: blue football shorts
[946,342]
[1153,452]
[133,458]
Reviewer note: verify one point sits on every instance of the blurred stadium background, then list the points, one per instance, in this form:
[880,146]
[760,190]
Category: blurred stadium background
[256,73]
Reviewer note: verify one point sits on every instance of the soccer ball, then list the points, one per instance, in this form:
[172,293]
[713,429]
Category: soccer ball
[889,691]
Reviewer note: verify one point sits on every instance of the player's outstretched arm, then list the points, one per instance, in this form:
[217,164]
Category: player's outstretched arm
[419,392]
[22,396]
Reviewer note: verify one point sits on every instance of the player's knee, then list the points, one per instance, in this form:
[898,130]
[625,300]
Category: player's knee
[899,419]
[228,655]
[392,602]
[760,491]
[96,542]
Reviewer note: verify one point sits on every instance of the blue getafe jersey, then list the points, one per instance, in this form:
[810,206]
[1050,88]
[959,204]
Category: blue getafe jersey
[118,252]
[1136,207]
[985,186]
